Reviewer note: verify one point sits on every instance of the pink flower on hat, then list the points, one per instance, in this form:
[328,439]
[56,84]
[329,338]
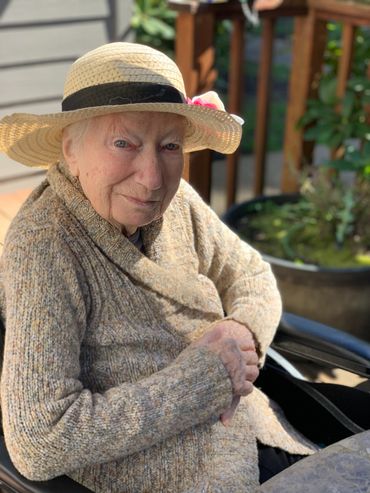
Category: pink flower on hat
[209,99]
[212,100]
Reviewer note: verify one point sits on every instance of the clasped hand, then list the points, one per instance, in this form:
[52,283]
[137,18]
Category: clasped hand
[234,344]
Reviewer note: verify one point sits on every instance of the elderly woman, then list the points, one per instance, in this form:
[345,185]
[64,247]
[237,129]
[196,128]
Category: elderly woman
[135,320]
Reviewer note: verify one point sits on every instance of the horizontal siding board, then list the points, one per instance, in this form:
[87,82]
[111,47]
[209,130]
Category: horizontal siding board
[10,169]
[36,108]
[19,11]
[32,83]
[70,41]
[38,41]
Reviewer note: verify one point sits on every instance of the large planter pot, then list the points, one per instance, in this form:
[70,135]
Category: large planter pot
[333,296]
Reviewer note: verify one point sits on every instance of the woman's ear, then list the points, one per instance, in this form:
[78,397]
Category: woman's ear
[69,150]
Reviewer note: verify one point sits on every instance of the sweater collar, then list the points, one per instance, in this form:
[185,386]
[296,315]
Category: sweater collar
[158,270]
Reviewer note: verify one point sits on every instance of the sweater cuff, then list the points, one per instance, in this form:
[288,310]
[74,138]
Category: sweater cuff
[198,382]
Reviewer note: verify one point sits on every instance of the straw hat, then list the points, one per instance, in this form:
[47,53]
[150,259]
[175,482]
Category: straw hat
[118,77]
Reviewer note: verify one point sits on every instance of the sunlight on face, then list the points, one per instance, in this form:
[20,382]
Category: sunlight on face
[129,165]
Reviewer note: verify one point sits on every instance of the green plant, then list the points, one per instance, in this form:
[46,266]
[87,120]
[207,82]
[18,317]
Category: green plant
[333,52]
[327,225]
[336,122]
[330,223]
[341,125]
[154,23]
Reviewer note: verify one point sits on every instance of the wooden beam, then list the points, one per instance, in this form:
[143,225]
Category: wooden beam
[263,103]
[185,52]
[343,11]
[185,171]
[195,57]
[309,41]
[235,99]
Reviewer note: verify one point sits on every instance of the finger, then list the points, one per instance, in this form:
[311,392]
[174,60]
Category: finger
[246,344]
[237,370]
[248,341]
[252,373]
[243,388]
[250,357]
[228,415]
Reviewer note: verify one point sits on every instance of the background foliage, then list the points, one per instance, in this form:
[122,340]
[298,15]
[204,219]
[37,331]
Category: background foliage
[154,24]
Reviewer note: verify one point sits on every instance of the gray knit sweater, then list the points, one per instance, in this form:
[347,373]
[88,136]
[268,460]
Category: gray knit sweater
[98,380]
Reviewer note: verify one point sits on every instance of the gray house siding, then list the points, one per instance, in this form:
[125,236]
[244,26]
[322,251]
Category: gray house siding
[39,39]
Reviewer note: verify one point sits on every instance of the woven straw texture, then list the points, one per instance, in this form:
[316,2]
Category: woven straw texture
[35,140]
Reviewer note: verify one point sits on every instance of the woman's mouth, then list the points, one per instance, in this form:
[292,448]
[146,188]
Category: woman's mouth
[141,203]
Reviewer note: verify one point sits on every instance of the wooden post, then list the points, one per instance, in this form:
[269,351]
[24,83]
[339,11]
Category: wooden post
[235,99]
[263,103]
[344,71]
[309,42]
[185,171]
[195,58]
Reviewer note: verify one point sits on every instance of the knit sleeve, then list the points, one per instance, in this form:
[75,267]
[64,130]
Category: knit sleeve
[52,424]
[244,281]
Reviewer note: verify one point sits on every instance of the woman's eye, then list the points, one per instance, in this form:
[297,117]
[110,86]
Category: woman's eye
[121,143]
[172,147]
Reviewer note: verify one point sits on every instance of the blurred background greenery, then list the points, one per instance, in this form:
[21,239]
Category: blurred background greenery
[154,24]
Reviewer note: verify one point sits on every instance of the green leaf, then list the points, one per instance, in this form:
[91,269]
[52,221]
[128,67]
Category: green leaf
[327,91]
[358,84]
[135,21]
[155,26]
[360,130]
[325,134]
[335,140]
[366,149]
[366,171]
[339,164]
[312,133]
[348,104]
[309,117]
[348,130]
[168,14]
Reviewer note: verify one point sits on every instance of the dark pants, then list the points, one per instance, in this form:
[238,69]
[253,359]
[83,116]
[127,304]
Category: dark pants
[272,460]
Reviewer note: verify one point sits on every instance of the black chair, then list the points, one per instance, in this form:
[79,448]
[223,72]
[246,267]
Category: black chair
[296,337]
[324,412]
[308,340]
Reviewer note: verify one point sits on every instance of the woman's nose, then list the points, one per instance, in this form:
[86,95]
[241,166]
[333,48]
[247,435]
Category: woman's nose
[150,171]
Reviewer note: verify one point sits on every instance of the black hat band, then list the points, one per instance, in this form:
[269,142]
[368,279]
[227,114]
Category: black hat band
[116,93]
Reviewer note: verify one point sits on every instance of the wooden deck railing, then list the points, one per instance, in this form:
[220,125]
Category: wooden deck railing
[195,54]
[308,50]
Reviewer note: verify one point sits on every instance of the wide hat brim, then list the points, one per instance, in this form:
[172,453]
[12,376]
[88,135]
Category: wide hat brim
[35,140]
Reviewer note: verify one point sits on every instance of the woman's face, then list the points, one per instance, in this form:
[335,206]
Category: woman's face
[129,165]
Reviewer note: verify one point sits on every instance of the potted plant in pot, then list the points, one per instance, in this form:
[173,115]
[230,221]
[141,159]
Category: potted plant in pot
[318,241]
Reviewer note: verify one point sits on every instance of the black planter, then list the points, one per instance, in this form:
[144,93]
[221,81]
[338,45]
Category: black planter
[337,297]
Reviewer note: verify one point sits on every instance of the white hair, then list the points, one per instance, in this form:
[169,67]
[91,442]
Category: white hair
[76,132]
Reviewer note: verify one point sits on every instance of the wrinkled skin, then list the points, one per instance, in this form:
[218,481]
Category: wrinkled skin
[234,344]
[129,165]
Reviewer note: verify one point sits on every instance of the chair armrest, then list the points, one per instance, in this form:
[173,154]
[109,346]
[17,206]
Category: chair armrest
[305,338]
[11,478]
